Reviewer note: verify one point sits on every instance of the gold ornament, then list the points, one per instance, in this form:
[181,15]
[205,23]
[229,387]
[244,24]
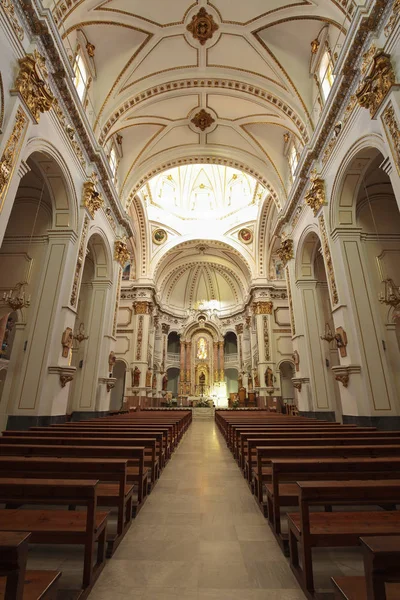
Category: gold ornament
[91,198]
[315,197]
[262,308]
[11,153]
[328,260]
[79,262]
[202,26]
[202,120]
[121,252]
[393,133]
[374,88]
[285,252]
[31,84]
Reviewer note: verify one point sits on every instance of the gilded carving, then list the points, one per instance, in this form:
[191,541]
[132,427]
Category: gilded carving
[367,58]
[202,26]
[11,153]
[315,197]
[64,379]
[285,252]
[139,338]
[328,261]
[165,328]
[266,339]
[142,307]
[121,252]
[343,378]
[91,198]
[377,83]
[117,302]
[297,384]
[10,12]
[393,18]
[239,328]
[202,120]
[67,341]
[262,308]
[292,322]
[70,132]
[79,262]
[393,133]
[31,84]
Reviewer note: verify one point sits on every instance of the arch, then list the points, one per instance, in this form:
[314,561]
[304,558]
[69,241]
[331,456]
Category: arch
[99,244]
[305,252]
[349,178]
[59,181]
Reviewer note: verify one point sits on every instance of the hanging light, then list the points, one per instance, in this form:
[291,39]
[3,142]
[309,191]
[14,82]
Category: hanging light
[80,336]
[391,295]
[16,298]
[329,335]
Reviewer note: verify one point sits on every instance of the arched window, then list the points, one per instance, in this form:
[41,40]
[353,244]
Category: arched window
[113,160]
[81,76]
[325,73]
[293,158]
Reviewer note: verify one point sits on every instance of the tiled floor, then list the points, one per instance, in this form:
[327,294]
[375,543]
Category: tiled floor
[200,535]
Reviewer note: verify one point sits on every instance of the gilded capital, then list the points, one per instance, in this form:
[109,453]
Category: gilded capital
[376,84]
[262,308]
[315,197]
[142,307]
[239,328]
[121,252]
[165,328]
[91,198]
[31,84]
[285,251]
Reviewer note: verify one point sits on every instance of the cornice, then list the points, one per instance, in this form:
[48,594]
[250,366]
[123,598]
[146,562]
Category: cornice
[41,27]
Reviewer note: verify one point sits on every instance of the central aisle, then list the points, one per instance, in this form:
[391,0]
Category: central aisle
[199,536]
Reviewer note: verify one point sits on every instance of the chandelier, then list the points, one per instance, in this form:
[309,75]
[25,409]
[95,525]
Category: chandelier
[16,298]
[329,335]
[391,295]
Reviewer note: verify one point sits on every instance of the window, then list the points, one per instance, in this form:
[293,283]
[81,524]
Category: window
[113,160]
[81,76]
[293,158]
[326,77]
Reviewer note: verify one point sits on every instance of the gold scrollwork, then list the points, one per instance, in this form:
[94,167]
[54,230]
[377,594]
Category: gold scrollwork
[375,86]
[79,262]
[393,133]
[393,18]
[315,197]
[10,12]
[31,84]
[285,251]
[11,152]
[328,260]
[202,120]
[91,198]
[262,308]
[121,252]
[142,308]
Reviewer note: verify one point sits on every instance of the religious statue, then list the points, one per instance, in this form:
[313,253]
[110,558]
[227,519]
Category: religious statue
[269,378]
[148,378]
[296,360]
[66,341]
[111,361]
[136,377]
[202,349]
[256,380]
[154,382]
[240,382]
[164,383]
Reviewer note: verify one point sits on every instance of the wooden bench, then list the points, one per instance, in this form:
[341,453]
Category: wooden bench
[309,530]
[137,472]
[282,492]
[113,489]
[382,572]
[16,583]
[50,526]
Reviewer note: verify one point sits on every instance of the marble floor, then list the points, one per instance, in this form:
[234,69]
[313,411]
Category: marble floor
[201,536]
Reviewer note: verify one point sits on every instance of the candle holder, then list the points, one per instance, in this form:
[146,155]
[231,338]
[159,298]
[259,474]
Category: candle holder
[16,298]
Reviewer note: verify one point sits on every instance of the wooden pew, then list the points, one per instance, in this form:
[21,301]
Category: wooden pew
[137,472]
[50,526]
[266,454]
[309,530]
[381,566]
[149,445]
[16,583]
[283,490]
[112,490]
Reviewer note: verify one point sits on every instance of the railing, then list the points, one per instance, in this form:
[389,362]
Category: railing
[173,358]
[230,359]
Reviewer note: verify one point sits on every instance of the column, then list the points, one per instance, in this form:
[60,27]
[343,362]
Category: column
[164,334]
[221,362]
[182,369]
[188,367]
[262,311]
[141,326]
[216,371]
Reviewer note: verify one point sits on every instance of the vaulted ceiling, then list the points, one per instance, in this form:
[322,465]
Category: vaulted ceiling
[154,74]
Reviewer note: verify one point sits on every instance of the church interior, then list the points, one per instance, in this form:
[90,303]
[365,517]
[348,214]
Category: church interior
[199,299]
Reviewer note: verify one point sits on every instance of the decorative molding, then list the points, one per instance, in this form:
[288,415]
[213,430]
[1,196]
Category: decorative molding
[315,197]
[142,307]
[69,131]
[328,261]
[66,374]
[159,236]
[117,298]
[262,308]
[11,152]
[202,120]
[31,84]
[342,373]
[393,18]
[109,382]
[392,131]
[8,8]
[245,235]
[79,262]
[91,198]
[139,337]
[285,251]
[289,291]
[299,381]
[266,339]
[377,83]
[202,26]
[239,328]
[121,252]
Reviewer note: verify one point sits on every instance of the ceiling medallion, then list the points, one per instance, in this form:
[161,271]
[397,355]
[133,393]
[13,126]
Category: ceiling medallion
[202,120]
[202,26]
[245,236]
[159,236]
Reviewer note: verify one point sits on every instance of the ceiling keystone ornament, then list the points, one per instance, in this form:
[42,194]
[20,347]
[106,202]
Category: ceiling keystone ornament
[91,198]
[159,236]
[315,197]
[245,235]
[31,84]
[285,251]
[202,120]
[376,84]
[121,252]
[202,26]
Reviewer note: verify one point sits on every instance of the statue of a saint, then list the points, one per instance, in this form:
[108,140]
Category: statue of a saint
[164,383]
[269,378]
[148,378]
[136,377]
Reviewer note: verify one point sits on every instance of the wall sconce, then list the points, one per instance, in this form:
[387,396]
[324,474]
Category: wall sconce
[15,298]
[329,335]
[391,295]
[80,336]
[339,337]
